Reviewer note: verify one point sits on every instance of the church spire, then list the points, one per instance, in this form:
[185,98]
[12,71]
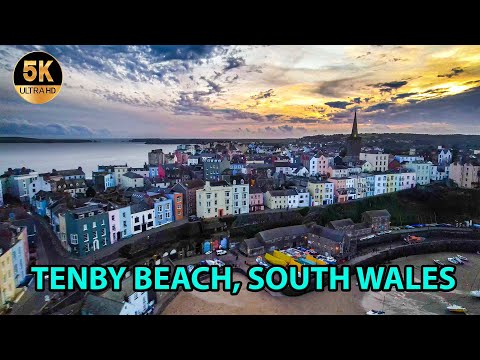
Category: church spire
[354,128]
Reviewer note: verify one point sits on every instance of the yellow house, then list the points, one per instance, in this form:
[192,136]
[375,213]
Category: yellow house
[7,280]
[321,192]
[13,260]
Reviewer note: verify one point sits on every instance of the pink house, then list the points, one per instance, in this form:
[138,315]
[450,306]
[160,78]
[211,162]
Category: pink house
[256,199]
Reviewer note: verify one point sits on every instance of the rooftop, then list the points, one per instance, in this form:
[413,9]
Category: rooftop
[375,213]
[98,305]
[133,175]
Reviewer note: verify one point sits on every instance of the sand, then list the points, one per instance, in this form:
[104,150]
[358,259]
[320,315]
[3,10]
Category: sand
[338,303]
[263,303]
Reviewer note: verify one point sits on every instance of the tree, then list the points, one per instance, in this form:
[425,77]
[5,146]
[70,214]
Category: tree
[90,192]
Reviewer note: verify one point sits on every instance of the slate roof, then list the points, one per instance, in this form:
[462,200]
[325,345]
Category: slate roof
[97,305]
[253,243]
[338,224]
[376,213]
[133,175]
[295,230]
[136,208]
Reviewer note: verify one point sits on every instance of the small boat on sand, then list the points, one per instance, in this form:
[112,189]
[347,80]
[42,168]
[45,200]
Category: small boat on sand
[456,309]
[376,312]
[463,258]
[460,261]
[438,262]
[475,293]
[453,260]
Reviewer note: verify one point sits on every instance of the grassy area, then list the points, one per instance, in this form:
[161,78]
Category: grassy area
[434,203]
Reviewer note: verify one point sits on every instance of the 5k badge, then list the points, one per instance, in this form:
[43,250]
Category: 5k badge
[38,77]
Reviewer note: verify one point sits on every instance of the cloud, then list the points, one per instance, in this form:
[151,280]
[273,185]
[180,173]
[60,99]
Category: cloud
[404,95]
[357,100]
[297,120]
[336,88]
[389,86]
[379,106]
[454,72]
[214,87]
[234,62]
[338,104]
[263,95]
[285,128]
[16,127]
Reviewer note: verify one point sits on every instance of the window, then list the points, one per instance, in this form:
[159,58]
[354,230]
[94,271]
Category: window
[209,204]
[137,219]
[160,217]
[91,213]
[216,195]
[236,189]
[124,215]
[179,206]
[113,217]
[95,235]
[104,232]
[94,224]
[105,242]
[208,196]
[124,223]
[227,193]
[159,208]
[149,216]
[168,214]
[103,222]
[86,247]
[85,227]
[74,239]
[136,228]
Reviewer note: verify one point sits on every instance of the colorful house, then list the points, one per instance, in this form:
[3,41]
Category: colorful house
[14,258]
[163,207]
[87,229]
[177,204]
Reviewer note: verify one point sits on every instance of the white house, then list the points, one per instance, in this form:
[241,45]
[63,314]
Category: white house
[292,198]
[444,157]
[132,180]
[142,218]
[38,184]
[379,161]
[380,184]
[241,196]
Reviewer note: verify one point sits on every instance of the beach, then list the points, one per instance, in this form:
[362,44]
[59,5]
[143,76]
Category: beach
[353,302]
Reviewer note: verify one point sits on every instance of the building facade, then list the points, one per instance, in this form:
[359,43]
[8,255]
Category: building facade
[256,199]
[379,161]
[465,175]
[321,192]
[215,199]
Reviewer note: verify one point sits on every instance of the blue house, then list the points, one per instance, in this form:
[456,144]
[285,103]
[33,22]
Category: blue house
[152,171]
[87,229]
[370,182]
[163,211]
[237,168]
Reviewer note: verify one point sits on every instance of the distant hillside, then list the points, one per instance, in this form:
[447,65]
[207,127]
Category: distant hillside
[41,141]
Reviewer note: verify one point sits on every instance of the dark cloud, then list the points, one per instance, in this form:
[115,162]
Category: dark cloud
[234,62]
[357,100]
[379,106]
[404,95]
[297,120]
[338,104]
[335,88]
[389,86]
[472,82]
[285,128]
[136,63]
[214,87]
[367,99]
[263,95]
[454,72]
[436,91]
[25,128]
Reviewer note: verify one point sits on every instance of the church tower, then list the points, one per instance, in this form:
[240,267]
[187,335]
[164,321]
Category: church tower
[354,142]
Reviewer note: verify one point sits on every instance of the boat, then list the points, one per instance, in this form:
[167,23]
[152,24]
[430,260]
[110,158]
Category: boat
[376,312]
[458,260]
[475,293]
[328,259]
[463,258]
[453,260]
[456,309]
[274,260]
[260,262]
[438,262]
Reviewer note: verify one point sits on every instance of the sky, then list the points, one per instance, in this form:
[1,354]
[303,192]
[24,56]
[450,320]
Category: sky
[213,91]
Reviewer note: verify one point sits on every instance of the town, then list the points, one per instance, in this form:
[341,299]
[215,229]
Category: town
[207,184]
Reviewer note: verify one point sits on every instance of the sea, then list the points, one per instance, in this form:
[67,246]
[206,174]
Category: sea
[61,156]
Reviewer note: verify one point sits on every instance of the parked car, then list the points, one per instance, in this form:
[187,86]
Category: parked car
[221,252]
[193,218]
[208,252]
[190,268]
[409,227]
